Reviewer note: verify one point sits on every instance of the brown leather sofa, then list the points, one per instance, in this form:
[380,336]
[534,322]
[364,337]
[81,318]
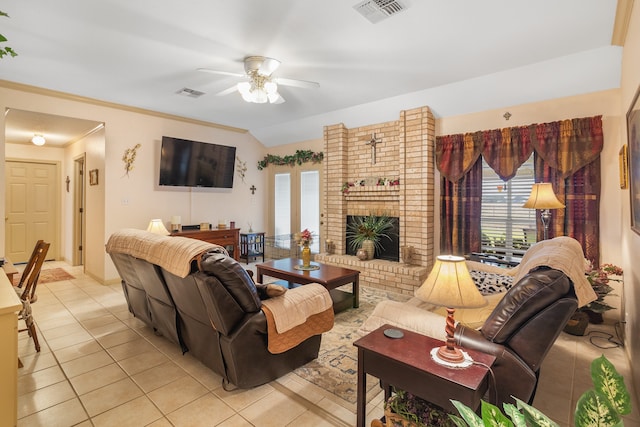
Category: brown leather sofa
[211,308]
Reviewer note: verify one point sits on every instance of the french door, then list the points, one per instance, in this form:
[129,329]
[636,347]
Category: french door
[295,202]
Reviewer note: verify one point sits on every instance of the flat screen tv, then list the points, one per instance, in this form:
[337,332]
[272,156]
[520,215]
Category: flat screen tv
[196,164]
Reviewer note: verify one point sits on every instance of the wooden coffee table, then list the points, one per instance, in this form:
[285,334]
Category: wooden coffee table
[329,276]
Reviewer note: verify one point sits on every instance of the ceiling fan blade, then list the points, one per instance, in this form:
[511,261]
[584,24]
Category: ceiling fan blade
[297,83]
[227,91]
[222,73]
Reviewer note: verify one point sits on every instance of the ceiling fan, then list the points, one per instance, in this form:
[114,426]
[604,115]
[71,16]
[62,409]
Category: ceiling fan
[259,85]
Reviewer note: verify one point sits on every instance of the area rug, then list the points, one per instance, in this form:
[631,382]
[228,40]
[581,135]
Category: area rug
[48,275]
[336,368]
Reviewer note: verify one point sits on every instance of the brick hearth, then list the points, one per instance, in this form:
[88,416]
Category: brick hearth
[405,153]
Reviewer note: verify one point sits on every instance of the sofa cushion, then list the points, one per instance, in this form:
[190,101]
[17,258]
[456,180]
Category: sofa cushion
[234,278]
[535,291]
[491,283]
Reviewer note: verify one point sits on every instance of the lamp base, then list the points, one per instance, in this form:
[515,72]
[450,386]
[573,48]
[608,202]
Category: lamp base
[446,360]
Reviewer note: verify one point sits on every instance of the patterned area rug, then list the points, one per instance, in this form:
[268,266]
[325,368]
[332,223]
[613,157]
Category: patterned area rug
[48,275]
[336,368]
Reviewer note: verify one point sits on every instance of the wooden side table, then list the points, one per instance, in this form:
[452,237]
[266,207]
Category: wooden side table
[227,237]
[251,246]
[405,363]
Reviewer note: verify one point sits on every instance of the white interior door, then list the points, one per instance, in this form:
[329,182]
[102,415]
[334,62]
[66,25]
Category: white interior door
[31,211]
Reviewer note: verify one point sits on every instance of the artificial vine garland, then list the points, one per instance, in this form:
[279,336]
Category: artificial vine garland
[301,156]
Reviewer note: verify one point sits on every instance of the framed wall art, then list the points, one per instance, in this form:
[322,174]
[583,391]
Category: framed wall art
[93,177]
[623,160]
[633,142]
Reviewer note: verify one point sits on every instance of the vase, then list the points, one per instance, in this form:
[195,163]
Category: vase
[595,318]
[577,324]
[306,256]
[407,254]
[361,254]
[369,247]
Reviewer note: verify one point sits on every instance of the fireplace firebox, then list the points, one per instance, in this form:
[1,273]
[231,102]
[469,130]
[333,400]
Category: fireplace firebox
[390,247]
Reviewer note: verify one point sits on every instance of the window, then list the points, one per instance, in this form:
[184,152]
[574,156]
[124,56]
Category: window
[507,228]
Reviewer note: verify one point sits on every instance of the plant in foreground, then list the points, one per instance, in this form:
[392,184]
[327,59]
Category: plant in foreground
[601,406]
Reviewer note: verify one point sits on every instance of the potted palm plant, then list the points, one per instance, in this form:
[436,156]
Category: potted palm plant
[367,232]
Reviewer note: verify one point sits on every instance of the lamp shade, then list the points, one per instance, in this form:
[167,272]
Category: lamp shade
[157,226]
[542,197]
[450,285]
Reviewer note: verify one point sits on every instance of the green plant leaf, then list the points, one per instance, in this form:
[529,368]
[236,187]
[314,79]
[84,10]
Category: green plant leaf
[492,416]
[516,416]
[534,417]
[459,422]
[594,409]
[2,38]
[472,419]
[610,383]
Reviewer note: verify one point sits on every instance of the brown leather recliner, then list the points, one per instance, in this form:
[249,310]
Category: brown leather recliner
[520,332]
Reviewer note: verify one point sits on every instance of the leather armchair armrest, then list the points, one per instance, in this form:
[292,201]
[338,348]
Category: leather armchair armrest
[512,376]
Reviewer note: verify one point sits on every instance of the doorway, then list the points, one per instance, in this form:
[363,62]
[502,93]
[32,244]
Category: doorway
[31,208]
[295,202]
[78,210]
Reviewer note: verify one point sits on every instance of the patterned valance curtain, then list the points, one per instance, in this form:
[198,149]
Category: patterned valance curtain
[566,155]
[566,145]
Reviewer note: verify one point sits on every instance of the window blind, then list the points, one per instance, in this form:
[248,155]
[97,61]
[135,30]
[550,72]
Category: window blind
[507,228]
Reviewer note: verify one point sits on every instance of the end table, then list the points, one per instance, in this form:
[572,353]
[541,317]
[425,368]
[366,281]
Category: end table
[251,246]
[406,363]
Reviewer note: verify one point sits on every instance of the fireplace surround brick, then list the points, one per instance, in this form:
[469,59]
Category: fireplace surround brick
[406,153]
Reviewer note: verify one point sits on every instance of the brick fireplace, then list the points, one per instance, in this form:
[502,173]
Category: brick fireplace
[404,152]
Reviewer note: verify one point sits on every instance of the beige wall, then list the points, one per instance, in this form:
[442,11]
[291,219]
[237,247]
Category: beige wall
[630,82]
[120,201]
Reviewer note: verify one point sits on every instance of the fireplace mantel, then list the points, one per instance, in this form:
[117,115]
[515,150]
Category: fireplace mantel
[375,192]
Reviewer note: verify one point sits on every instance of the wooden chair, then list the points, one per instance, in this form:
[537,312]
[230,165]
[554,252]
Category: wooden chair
[26,288]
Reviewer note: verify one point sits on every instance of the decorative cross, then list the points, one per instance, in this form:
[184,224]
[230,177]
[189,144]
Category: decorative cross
[373,144]
[253,189]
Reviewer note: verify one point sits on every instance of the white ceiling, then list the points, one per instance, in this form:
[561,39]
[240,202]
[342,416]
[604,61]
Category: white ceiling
[454,56]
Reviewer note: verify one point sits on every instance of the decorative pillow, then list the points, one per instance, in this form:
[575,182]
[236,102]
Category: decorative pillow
[491,283]
[270,290]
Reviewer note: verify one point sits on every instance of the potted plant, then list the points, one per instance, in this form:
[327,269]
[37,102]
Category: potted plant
[600,406]
[366,232]
[599,279]
[404,409]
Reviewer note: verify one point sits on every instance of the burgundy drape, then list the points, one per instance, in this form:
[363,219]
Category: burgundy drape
[460,210]
[567,154]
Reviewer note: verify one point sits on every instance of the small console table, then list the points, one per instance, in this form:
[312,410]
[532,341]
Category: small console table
[406,363]
[251,246]
[227,237]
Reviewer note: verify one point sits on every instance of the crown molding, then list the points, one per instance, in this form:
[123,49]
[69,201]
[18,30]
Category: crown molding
[621,24]
[63,95]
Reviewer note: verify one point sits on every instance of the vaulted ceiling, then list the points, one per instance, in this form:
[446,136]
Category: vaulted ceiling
[454,56]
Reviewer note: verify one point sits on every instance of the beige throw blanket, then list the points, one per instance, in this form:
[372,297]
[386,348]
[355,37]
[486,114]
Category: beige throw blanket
[296,305]
[174,254]
[296,315]
[564,254]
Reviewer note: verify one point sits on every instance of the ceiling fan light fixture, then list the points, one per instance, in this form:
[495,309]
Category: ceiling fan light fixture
[38,139]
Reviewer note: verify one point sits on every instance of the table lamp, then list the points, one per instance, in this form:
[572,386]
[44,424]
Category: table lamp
[543,197]
[157,226]
[450,285]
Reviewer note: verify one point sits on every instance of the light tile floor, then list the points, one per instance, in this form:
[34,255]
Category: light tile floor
[99,366]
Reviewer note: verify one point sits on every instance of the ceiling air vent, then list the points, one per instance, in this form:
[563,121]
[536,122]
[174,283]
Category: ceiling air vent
[190,92]
[378,10]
